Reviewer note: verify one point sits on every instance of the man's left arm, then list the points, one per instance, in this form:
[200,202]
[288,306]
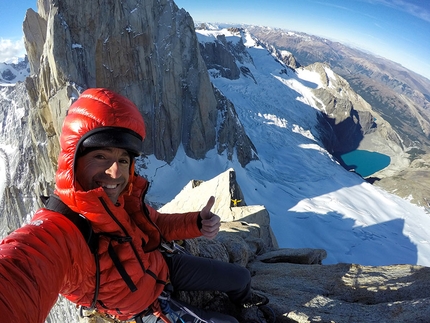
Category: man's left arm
[188,225]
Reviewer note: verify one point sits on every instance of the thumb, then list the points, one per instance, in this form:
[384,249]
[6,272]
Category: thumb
[205,213]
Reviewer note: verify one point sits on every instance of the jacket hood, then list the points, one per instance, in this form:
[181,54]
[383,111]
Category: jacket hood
[98,118]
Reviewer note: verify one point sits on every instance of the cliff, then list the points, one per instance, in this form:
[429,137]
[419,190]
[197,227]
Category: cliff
[146,51]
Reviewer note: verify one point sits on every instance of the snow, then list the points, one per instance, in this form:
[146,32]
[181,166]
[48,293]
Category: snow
[312,78]
[313,202]
[205,36]
[3,174]
[20,75]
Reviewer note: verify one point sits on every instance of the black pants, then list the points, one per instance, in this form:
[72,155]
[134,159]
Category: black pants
[190,273]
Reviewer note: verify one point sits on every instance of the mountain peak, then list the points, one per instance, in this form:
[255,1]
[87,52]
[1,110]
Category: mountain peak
[13,72]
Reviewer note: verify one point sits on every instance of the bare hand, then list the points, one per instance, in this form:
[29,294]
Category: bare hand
[210,222]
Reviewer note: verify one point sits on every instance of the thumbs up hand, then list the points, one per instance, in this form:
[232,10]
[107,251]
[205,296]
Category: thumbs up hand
[210,222]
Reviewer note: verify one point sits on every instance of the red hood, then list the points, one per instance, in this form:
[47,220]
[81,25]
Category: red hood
[95,109]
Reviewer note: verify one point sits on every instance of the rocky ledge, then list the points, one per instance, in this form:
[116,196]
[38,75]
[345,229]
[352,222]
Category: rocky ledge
[299,287]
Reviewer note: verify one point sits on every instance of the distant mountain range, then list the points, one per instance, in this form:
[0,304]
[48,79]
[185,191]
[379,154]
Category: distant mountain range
[11,73]
[400,96]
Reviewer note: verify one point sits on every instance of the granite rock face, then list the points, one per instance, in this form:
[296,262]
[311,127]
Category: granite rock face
[146,51]
[300,288]
[25,167]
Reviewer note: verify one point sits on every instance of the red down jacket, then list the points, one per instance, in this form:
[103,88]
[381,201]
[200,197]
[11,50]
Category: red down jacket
[50,256]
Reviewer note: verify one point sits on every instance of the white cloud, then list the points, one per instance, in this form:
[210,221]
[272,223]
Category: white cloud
[10,50]
[420,11]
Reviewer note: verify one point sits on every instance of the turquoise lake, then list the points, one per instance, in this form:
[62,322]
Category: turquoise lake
[365,162]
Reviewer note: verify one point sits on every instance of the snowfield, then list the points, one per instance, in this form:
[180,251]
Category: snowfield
[313,202]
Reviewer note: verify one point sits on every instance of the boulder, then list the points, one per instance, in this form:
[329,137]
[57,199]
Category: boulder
[344,292]
[299,287]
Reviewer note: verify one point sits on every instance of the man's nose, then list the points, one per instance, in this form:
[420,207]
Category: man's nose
[114,170]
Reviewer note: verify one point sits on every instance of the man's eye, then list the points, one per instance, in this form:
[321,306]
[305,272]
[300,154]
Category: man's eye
[124,161]
[99,156]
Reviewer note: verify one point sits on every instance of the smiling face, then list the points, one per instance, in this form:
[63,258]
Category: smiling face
[105,167]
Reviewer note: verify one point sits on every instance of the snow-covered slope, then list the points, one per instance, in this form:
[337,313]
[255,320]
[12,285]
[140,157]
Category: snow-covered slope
[13,72]
[312,200]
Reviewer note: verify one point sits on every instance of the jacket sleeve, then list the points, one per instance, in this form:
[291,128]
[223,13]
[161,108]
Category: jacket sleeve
[171,226]
[176,226]
[35,261]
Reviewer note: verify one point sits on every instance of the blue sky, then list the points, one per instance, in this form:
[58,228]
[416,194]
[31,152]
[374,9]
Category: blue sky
[396,29]
[12,15]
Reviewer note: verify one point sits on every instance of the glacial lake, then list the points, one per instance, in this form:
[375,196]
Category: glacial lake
[365,162]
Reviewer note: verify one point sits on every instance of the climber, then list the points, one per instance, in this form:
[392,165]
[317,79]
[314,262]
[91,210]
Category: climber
[235,202]
[127,275]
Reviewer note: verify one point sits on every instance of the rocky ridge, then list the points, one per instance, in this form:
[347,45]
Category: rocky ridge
[160,69]
[299,287]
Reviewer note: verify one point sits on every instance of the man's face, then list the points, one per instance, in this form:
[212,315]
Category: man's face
[105,167]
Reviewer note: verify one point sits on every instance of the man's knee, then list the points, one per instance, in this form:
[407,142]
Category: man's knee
[241,274]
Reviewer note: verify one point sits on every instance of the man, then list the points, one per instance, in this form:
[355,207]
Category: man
[127,275]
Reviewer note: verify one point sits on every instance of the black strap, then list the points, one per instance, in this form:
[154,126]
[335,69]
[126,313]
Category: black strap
[138,319]
[125,276]
[54,203]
